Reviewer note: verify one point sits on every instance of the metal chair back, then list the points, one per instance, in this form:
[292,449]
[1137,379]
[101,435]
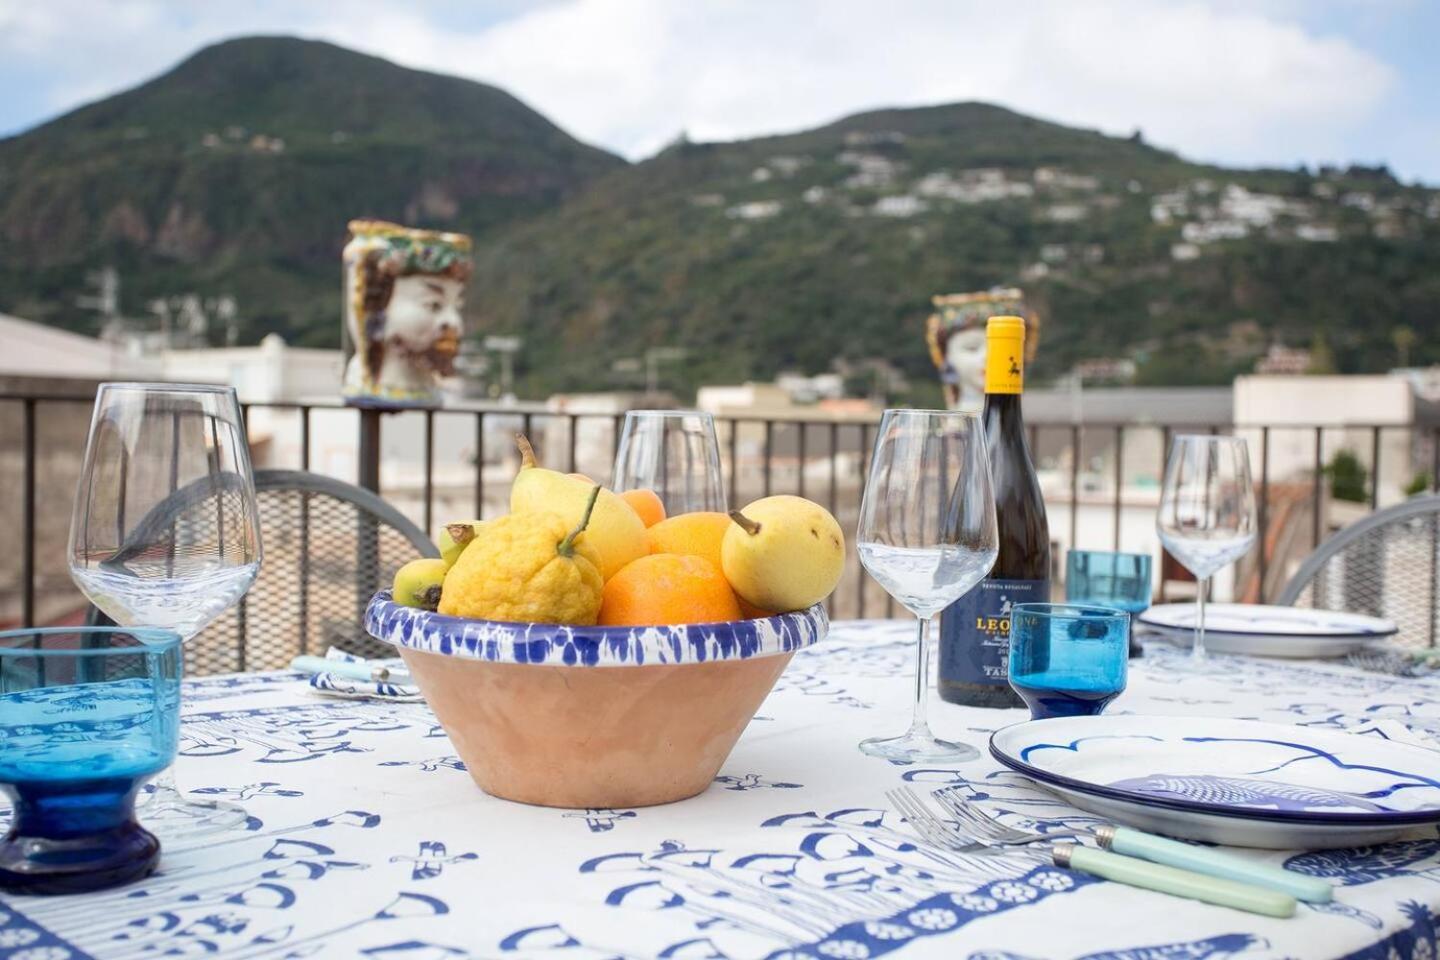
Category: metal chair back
[1387,565]
[328,546]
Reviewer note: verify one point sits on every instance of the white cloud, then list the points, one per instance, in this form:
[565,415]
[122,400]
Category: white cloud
[1212,79]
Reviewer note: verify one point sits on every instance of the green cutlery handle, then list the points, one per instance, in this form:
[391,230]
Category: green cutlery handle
[1172,880]
[1214,863]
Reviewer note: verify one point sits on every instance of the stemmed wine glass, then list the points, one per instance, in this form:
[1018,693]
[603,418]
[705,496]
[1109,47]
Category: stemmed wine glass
[1207,511]
[927,535]
[673,453]
[165,533]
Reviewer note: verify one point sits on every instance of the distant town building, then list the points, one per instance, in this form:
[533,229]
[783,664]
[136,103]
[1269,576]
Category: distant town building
[1283,361]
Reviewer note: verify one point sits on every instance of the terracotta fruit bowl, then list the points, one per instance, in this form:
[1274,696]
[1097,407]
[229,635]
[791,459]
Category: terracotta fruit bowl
[592,716]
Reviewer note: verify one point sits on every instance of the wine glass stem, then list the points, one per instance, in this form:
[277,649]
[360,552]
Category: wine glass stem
[1201,584]
[919,723]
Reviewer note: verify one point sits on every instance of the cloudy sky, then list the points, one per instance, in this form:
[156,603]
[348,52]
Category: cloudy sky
[1244,82]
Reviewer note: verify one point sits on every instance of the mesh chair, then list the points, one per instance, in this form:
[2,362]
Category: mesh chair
[1387,565]
[328,546]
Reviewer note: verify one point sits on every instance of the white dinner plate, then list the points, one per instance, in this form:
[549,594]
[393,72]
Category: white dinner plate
[1237,782]
[1269,631]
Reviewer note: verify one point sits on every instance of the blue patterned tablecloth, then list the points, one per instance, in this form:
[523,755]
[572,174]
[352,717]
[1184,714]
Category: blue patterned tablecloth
[368,839]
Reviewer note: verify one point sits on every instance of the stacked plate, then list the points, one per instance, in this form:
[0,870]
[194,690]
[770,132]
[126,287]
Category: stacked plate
[1268,631]
[1239,782]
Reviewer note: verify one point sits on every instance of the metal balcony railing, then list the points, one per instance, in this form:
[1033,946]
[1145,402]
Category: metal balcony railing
[1089,471]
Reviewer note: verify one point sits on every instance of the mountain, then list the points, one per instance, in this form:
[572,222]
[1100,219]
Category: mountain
[237,171]
[789,252]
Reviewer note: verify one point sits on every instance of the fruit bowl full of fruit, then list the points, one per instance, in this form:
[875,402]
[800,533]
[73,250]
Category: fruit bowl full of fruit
[586,651]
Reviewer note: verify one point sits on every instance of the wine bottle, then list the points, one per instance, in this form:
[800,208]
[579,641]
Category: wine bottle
[975,630]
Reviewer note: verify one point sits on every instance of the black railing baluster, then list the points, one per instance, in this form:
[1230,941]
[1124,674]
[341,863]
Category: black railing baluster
[1317,489]
[369,450]
[1374,467]
[1435,460]
[1264,512]
[574,426]
[834,461]
[27,517]
[429,509]
[1119,483]
[734,503]
[1075,437]
[800,459]
[305,438]
[480,465]
[769,438]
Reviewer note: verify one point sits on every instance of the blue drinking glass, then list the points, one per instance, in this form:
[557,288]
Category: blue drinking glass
[1120,580]
[1068,659]
[87,715]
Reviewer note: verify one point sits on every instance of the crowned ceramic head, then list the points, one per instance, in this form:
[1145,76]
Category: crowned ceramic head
[955,334]
[404,294]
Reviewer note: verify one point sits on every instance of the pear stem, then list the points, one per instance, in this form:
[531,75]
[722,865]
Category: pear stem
[748,525]
[566,547]
[527,452]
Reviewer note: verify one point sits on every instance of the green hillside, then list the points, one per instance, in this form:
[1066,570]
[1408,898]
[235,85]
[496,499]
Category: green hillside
[757,256]
[238,170]
[787,252]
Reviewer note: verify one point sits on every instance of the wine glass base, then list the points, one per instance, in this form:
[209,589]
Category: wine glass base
[918,748]
[175,820]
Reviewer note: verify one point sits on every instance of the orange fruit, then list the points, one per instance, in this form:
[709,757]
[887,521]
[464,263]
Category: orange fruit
[694,534]
[647,504]
[667,588]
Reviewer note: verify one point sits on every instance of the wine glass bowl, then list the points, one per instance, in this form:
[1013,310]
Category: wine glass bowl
[165,532]
[1207,515]
[673,453]
[927,534]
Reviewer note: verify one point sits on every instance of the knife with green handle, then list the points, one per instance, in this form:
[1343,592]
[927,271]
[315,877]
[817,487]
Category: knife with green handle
[1173,880]
[1214,863]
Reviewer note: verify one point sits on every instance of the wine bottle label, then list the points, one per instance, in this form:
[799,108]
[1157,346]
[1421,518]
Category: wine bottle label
[975,630]
[1005,355]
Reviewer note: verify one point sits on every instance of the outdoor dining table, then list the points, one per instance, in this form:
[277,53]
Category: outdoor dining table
[367,838]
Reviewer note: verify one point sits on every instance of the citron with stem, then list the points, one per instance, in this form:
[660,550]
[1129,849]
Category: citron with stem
[533,567]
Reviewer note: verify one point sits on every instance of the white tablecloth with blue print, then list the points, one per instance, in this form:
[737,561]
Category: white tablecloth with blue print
[368,839]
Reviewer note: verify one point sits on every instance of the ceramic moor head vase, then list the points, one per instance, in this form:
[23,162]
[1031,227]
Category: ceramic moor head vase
[404,291]
[593,716]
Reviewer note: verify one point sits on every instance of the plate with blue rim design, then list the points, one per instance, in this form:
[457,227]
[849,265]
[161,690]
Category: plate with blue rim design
[1240,782]
[1269,631]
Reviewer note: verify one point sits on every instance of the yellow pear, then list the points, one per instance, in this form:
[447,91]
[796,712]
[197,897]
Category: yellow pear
[419,582]
[616,533]
[455,537]
[783,553]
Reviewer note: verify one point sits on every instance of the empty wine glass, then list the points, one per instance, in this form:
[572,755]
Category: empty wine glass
[1207,511]
[675,454]
[927,534]
[165,533]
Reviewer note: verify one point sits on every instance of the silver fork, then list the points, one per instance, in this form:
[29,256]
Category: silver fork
[986,829]
[937,832]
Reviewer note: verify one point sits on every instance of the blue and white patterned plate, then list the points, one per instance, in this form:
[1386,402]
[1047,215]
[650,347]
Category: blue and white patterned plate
[1269,631]
[1239,782]
[557,645]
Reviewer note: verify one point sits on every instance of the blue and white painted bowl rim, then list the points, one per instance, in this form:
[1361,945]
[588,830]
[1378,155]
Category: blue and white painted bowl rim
[548,644]
[1268,620]
[1356,818]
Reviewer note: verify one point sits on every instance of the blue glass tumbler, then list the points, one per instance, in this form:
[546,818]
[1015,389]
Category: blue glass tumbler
[87,715]
[1068,659]
[1120,580]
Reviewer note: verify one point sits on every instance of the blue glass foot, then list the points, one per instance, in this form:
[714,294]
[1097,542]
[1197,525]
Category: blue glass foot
[75,835]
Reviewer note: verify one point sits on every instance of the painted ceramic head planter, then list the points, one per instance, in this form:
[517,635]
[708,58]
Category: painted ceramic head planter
[955,334]
[404,291]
